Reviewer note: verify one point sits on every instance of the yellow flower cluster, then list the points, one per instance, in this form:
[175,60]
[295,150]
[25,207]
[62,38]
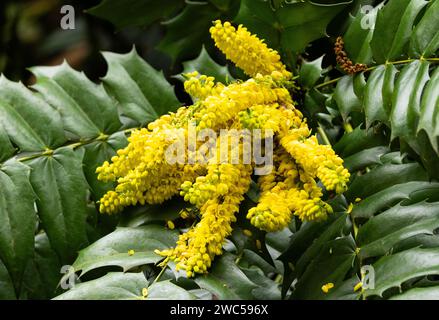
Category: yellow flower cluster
[214,188]
[197,248]
[247,51]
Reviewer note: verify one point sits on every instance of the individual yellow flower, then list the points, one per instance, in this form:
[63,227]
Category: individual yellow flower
[201,86]
[247,51]
[358,286]
[170,225]
[327,287]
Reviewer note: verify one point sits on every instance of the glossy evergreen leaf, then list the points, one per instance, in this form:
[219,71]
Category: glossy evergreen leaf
[226,281]
[425,38]
[389,197]
[112,286]
[112,250]
[7,291]
[141,92]
[310,72]
[42,275]
[28,120]
[393,28]
[292,26]
[166,290]
[18,217]
[429,119]
[59,183]
[427,293]
[189,30]
[134,12]
[345,96]
[392,271]
[85,107]
[204,64]
[358,36]
[407,99]
[383,177]
[332,264]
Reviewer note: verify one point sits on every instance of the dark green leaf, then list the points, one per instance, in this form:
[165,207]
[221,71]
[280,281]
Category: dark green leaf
[134,12]
[365,158]
[379,236]
[226,281]
[392,271]
[331,266]
[407,99]
[44,272]
[425,38]
[429,293]
[389,197]
[310,72]
[293,26]
[142,92]
[112,250]
[429,119]
[95,154]
[204,64]
[59,183]
[393,28]
[345,96]
[7,291]
[29,121]
[383,177]
[113,286]
[85,107]
[18,218]
[357,38]
[166,290]
[187,31]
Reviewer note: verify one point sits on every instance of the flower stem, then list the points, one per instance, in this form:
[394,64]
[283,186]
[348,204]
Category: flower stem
[327,83]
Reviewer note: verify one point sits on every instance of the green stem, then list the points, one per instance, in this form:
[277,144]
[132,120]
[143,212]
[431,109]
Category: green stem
[327,83]
[161,273]
[75,145]
[323,135]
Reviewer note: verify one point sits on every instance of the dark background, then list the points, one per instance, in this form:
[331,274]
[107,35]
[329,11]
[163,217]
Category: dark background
[30,34]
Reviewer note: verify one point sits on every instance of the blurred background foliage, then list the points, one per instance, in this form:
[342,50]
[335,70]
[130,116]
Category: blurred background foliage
[164,35]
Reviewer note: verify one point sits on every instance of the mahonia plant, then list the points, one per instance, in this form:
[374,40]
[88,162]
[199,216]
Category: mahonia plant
[300,167]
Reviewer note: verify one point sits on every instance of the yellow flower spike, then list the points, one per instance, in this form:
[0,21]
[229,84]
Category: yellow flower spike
[247,51]
[131,252]
[327,287]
